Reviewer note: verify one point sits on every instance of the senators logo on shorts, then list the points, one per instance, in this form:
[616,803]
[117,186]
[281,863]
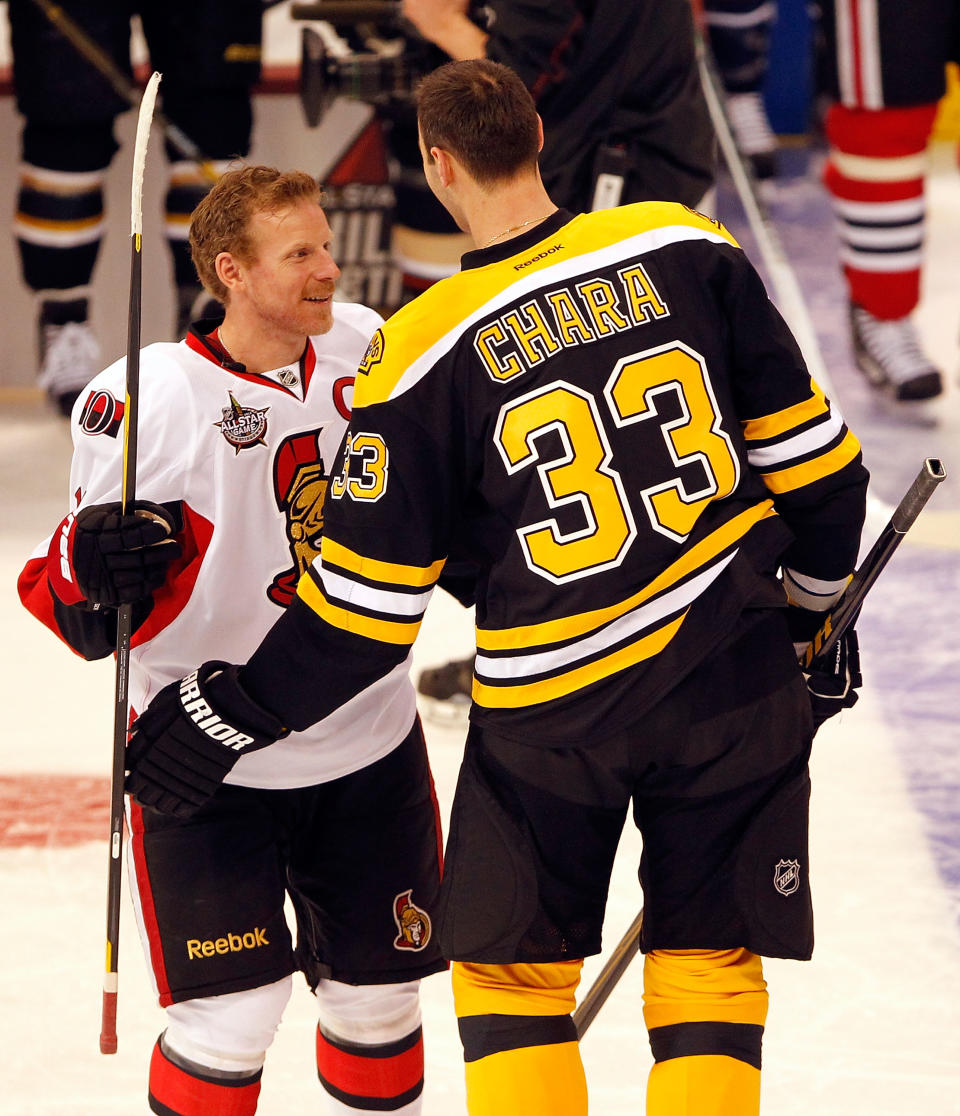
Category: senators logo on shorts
[786,876]
[374,353]
[412,922]
[243,427]
[299,486]
[101,414]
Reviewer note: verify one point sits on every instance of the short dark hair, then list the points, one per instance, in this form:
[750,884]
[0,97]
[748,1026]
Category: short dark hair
[220,223]
[482,113]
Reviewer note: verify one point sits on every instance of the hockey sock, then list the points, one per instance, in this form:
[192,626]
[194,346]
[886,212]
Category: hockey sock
[875,176]
[371,1077]
[705,1011]
[188,185]
[179,1087]
[58,224]
[739,32]
[519,1041]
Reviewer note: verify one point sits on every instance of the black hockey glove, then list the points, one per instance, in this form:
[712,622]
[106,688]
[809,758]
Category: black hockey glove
[186,742]
[833,684]
[106,558]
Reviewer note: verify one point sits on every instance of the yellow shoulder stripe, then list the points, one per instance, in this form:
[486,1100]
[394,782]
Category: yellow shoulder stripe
[445,306]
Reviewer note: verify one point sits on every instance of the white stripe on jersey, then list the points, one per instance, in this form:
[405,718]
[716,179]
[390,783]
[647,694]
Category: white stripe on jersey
[345,590]
[645,616]
[799,444]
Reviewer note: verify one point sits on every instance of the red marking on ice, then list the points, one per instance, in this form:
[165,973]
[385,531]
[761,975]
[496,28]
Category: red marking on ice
[53,810]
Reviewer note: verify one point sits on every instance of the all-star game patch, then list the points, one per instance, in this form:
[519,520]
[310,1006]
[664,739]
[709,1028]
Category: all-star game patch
[243,427]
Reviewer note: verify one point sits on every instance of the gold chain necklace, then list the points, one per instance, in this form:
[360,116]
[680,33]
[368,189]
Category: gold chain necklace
[515,228]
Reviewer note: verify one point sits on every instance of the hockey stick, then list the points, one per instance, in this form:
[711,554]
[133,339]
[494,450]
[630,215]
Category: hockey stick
[108,1018]
[121,84]
[608,978]
[836,624]
[784,279]
[848,607]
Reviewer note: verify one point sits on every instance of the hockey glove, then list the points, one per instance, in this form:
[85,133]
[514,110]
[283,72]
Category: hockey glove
[188,739]
[833,683]
[104,557]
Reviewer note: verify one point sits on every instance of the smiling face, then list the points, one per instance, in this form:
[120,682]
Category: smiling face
[286,286]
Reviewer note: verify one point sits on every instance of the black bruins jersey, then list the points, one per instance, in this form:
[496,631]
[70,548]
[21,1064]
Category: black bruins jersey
[610,420]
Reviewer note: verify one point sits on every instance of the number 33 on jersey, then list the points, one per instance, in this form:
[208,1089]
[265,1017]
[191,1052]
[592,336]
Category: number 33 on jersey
[615,425]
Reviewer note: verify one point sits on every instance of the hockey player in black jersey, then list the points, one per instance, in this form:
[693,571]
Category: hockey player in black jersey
[606,415]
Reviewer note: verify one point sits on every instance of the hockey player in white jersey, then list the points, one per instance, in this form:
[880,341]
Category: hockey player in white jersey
[239,426]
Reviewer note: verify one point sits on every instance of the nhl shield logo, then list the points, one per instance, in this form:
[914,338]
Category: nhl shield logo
[786,876]
[412,922]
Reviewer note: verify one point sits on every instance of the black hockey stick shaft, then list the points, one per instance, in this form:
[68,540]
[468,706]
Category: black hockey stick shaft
[120,83]
[121,711]
[848,608]
[608,978]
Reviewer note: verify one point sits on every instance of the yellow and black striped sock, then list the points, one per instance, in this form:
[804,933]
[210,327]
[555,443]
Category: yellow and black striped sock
[705,1011]
[519,1042]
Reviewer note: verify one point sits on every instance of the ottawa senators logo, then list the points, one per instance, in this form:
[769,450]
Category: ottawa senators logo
[374,353]
[299,487]
[412,922]
[101,414]
[243,427]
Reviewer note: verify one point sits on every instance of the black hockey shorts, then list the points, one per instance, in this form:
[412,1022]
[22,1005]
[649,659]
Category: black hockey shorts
[717,777]
[912,43]
[360,858]
[207,50]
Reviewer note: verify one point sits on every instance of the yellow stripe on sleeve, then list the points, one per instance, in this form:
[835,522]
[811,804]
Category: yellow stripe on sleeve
[781,422]
[788,480]
[385,631]
[390,573]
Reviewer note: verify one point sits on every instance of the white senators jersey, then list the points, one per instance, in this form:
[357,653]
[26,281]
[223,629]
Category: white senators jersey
[608,418]
[244,462]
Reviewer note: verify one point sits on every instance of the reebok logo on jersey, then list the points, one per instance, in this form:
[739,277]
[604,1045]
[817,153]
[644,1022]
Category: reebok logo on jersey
[539,256]
[204,717]
[232,943]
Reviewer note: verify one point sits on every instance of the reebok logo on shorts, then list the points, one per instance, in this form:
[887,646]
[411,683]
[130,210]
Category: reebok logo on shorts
[232,943]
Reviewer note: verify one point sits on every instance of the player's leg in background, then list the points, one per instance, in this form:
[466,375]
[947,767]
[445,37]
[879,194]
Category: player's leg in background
[66,147]
[739,35]
[885,67]
[209,54]
[370,1047]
